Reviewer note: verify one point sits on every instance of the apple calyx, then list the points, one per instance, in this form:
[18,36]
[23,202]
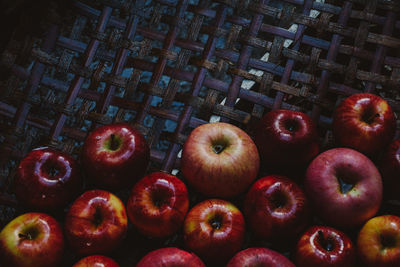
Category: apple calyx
[113,143]
[325,242]
[387,241]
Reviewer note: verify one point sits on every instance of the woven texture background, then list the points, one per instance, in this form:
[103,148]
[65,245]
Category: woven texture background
[168,66]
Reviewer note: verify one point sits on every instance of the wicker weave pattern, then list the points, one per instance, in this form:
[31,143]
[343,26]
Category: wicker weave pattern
[206,49]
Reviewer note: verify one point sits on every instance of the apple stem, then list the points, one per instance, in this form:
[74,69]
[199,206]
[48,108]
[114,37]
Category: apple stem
[371,118]
[25,236]
[324,241]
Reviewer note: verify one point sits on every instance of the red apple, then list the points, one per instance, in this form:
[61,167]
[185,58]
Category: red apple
[378,242]
[276,209]
[158,204]
[31,239]
[96,261]
[344,186]
[47,179]
[115,155]
[286,139]
[364,122]
[259,257]
[323,246]
[214,230]
[390,171]
[170,257]
[219,160]
[96,223]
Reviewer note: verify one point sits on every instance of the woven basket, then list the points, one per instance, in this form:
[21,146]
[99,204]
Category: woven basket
[168,66]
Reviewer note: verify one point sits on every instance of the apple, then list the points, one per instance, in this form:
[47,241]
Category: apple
[96,261]
[276,209]
[214,229]
[47,179]
[378,242]
[286,139]
[364,122]
[344,186]
[390,170]
[259,257]
[170,257]
[158,204]
[31,239]
[115,156]
[96,223]
[324,246]
[219,160]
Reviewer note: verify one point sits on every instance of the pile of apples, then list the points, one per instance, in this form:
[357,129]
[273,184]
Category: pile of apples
[308,203]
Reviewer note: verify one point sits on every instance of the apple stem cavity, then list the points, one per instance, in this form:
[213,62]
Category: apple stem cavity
[97,217]
[114,143]
[325,242]
[29,234]
[369,117]
[216,222]
[345,187]
[387,241]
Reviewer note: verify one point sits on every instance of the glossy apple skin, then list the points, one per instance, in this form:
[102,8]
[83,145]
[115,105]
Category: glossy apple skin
[224,174]
[364,122]
[170,257]
[286,138]
[44,249]
[276,208]
[322,185]
[389,168]
[371,250]
[96,261]
[259,257]
[311,249]
[158,204]
[39,189]
[96,223]
[215,243]
[115,168]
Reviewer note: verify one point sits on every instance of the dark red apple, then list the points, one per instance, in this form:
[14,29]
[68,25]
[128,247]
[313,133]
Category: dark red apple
[170,257]
[364,122]
[47,179]
[323,246]
[219,160]
[96,261]
[96,223]
[115,155]
[31,239]
[286,139]
[344,186]
[214,229]
[378,242]
[390,171]
[158,204]
[262,257]
[276,209]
